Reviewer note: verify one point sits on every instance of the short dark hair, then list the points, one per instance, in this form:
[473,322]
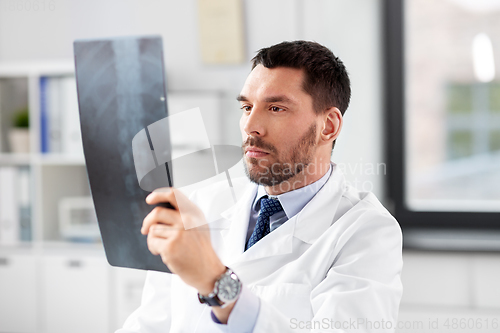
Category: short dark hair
[326,78]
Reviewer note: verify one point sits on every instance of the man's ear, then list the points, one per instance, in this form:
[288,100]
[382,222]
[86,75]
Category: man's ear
[332,124]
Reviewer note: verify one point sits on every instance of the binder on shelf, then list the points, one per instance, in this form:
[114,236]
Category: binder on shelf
[24,204]
[15,205]
[54,108]
[59,117]
[9,212]
[44,137]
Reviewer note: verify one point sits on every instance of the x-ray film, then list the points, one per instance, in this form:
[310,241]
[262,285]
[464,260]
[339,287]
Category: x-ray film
[133,146]
[121,91]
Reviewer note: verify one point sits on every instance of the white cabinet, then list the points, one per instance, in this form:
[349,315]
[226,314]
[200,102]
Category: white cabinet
[75,294]
[127,288]
[18,293]
[62,289]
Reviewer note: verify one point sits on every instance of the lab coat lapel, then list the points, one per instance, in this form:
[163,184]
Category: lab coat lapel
[235,225]
[318,214]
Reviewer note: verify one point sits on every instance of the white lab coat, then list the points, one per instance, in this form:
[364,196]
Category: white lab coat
[335,266]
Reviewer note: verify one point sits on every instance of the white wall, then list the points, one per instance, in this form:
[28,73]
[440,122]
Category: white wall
[350,28]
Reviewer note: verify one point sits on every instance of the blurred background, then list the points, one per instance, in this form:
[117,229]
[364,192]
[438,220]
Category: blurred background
[53,273]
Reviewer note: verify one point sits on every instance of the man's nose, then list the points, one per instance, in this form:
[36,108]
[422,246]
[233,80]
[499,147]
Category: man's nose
[254,122]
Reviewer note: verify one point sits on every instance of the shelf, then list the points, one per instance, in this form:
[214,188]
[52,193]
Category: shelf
[59,159]
[51,247]
[37,68]
[21,247]
[62,246]
[41,159]
[15,159]
[42,276]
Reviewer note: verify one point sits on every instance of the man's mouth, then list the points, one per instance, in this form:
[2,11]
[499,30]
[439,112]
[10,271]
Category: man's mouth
[255,152]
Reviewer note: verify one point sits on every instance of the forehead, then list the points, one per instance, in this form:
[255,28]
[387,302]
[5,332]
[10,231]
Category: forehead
[263,81]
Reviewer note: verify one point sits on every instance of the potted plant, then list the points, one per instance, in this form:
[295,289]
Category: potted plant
[19,136]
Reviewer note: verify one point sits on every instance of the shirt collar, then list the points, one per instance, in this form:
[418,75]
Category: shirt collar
[295,200]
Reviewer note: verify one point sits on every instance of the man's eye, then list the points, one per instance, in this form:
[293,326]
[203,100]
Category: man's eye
[276,109]
[246,108]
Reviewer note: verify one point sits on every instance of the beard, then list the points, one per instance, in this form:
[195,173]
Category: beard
[285,167]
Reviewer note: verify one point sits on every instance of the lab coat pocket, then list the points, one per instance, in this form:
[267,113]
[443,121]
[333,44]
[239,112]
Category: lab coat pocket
[292,299]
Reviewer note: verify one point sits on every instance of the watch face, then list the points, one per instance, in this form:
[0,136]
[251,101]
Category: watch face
[228,289]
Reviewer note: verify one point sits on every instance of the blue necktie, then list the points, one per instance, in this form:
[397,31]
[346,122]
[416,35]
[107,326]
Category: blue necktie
[268,207]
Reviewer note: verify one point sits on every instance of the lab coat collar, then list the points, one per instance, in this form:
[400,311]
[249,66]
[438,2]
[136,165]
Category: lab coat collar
[234,225]
[307,225]
[317,215]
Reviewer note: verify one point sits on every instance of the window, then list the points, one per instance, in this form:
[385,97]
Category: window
[443,105]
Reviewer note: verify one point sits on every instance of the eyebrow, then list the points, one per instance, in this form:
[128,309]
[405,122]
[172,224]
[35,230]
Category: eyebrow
[271,99]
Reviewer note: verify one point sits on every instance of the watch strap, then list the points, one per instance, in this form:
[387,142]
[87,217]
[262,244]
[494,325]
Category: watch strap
[211,300]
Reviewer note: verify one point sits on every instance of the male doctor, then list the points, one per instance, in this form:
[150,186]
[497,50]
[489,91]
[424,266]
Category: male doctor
[300,250]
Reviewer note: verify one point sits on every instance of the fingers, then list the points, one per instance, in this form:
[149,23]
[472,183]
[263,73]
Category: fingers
[161,230]
[164,194]
[161,215]
[157,245]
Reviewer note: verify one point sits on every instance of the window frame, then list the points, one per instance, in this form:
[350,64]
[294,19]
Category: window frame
[394,100]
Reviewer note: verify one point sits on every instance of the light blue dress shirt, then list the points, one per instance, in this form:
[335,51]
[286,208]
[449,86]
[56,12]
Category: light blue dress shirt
[245,311]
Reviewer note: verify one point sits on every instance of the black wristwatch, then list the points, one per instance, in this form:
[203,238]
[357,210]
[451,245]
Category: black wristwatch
[226,290]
